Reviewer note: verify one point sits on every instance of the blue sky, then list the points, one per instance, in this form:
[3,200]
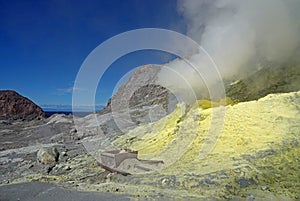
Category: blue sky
[43,43]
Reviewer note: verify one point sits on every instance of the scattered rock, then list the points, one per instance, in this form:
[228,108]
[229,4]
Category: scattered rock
[47,155]
[164,182]
[244,182]
[50,168]
[5,122]
[168,182]
[73,131]
[6,181]
[63,153]
[250,198]
[228,187]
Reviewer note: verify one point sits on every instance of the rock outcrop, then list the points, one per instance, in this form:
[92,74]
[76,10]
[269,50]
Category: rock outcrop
[15,106]
[273,78]
[140,94]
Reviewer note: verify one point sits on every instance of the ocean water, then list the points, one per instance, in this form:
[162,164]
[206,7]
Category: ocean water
[67,110]
[78,114]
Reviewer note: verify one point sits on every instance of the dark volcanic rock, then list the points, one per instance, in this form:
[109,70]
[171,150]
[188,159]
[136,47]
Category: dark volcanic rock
[15,106]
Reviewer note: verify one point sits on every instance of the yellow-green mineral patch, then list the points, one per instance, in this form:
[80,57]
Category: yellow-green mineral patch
[151,138]
[257,150]
[205,104]
[248,128]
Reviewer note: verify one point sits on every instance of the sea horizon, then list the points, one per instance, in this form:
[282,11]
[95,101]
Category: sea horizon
[79,111]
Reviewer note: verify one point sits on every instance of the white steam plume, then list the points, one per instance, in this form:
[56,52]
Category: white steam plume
[238,34]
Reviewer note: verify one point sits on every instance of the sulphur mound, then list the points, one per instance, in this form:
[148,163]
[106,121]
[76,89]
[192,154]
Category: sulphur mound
[246,129]
[256,151]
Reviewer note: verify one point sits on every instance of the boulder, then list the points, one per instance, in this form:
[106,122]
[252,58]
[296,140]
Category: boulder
[47,155]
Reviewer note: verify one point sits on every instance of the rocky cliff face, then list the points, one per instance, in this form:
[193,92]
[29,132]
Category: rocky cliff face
[140,94]
[273,78]
[15,106]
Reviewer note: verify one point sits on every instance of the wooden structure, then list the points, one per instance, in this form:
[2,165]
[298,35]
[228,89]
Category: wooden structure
[111,160]
[115,157]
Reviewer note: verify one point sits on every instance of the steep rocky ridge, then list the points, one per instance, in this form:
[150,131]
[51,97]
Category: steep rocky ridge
[15,106]
[140,90]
